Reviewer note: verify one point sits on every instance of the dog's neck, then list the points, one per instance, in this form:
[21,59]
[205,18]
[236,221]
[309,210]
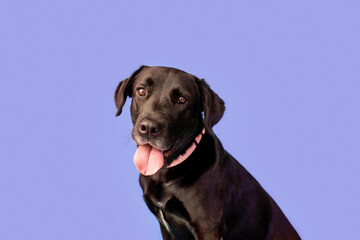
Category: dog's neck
[188,151]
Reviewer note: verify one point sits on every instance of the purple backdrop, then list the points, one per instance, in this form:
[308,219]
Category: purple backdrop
[288,72]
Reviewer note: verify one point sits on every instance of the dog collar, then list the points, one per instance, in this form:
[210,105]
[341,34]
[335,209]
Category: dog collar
[188,151]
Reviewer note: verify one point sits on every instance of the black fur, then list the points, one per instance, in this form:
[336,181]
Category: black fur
[209,195]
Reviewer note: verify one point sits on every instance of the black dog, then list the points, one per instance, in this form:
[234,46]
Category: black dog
[191,184]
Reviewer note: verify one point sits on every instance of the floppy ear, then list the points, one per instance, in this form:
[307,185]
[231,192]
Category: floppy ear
[212,105]
[121,93]
[124,90]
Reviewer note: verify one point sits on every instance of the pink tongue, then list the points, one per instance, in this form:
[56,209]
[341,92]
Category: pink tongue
[148,160]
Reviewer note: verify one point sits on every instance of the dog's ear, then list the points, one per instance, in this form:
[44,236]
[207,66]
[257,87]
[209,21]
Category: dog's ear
[124,90]
[212,105]
[121,93]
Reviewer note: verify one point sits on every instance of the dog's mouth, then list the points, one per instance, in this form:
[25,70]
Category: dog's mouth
[169,151]
[149,159]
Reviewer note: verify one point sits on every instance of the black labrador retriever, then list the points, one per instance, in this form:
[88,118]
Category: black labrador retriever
[193,186]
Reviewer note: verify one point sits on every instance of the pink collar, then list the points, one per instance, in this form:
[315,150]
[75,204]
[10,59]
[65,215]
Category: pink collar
[188,152]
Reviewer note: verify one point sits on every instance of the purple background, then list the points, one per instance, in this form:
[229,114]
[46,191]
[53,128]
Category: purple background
[288,72]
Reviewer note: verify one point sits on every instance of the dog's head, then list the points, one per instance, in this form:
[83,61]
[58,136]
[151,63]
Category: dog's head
[166,108]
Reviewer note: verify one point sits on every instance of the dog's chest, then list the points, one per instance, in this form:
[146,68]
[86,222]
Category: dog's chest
[166,200]
[168,206]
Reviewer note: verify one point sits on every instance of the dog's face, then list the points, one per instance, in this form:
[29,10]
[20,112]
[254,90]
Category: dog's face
[166,108]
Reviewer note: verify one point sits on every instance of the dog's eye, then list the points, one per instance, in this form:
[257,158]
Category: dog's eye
[141,92]
[182,100]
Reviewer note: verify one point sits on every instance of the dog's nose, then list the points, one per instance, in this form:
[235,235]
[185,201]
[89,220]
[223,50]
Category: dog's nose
[150,128]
